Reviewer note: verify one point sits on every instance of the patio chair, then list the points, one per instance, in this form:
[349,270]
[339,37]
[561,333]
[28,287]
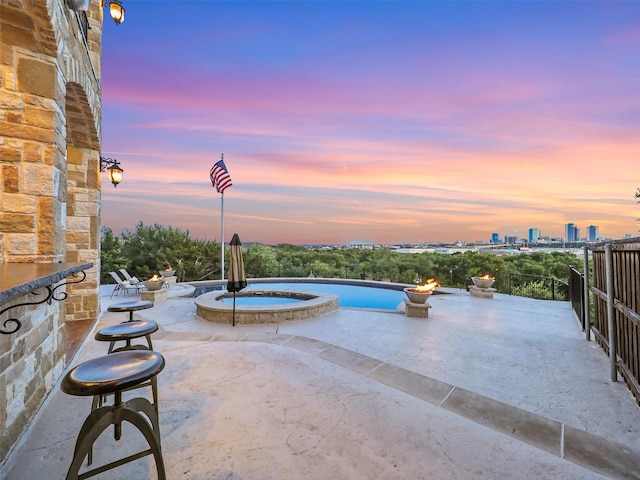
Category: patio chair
[129,278]
[123,285]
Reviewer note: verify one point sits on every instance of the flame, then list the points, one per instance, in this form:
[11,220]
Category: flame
[156,278]
[429,286]
[488,277]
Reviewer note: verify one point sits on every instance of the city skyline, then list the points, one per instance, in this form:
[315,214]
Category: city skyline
[394,122]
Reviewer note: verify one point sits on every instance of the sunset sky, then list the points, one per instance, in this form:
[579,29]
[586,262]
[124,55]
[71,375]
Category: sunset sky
[386,121]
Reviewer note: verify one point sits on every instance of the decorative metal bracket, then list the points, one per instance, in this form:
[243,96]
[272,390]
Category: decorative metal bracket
[12,325]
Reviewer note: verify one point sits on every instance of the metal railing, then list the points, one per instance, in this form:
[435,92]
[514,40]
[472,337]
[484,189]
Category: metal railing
[576,294]
[532,286]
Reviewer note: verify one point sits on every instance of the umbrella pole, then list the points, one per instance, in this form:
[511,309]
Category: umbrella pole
[234,309]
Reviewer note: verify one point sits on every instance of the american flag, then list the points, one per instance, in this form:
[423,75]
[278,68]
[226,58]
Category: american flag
[219,175]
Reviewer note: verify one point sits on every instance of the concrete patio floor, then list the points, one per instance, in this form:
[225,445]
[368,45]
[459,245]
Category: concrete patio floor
[506,388]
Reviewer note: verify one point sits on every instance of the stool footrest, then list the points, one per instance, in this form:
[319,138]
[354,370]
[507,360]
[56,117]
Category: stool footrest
[115,464]
[99,420]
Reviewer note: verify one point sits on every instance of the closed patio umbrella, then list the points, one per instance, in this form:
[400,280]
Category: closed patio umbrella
[236,279]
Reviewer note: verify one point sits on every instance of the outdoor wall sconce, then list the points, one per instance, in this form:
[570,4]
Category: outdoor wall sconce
[113,166]
[116,10]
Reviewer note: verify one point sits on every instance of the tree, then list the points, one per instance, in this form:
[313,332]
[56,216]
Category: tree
[153,248]
[148,249]
[112,257]
[261,261]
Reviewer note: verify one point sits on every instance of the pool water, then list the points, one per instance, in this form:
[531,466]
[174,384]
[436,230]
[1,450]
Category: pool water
[352,296]
[262,300]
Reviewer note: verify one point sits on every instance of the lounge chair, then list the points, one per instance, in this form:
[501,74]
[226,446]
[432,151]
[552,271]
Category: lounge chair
[129,278]
[123,285]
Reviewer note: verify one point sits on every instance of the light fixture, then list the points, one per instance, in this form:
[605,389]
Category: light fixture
[116,10]
[113,166]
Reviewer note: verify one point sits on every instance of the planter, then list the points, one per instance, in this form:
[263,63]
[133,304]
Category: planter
[483,282]
[153,285]
[416,296]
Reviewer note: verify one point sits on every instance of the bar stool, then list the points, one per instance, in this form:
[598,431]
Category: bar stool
[125,332]
[130,307]
[114,374]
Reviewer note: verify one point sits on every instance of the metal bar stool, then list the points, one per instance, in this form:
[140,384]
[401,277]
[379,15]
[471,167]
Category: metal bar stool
[114,374]
[130,307]
[125,332]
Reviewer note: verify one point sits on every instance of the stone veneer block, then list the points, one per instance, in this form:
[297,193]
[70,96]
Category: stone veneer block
[37,77]
[154,295]
[524,426]
[481,292]
[420,310]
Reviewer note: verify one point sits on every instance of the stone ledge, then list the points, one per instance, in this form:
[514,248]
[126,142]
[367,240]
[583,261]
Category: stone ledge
[481,292]
[418,310]
[17,279]
[154,295]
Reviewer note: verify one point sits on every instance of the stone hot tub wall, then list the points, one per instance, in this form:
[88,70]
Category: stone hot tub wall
[50,121]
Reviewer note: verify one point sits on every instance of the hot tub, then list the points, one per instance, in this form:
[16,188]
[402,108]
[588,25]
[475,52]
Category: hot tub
[306,306]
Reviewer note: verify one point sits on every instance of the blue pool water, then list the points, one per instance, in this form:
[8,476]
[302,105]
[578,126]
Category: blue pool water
[349,295]
[259,300]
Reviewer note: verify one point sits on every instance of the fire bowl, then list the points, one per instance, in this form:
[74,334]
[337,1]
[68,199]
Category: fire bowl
[481,282]
[166,273]
[417,296]
[153,286]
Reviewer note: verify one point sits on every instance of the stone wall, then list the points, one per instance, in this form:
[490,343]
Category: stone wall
[50,117]
[31,361]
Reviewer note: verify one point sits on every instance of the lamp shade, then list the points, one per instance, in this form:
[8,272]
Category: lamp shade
[116,10]
[115,174]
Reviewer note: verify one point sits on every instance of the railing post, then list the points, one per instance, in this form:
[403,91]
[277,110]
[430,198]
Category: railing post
[553,289]
[608,250]
[586,311]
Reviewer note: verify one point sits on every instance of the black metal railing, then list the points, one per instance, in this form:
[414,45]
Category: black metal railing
[576,294]
[532,286]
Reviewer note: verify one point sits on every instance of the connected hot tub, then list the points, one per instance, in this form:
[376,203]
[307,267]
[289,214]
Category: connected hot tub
[264,306]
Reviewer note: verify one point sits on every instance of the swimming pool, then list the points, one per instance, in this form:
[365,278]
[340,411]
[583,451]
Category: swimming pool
[351,296]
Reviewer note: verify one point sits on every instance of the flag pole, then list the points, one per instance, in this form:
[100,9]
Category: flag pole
[222,230]
[220,180]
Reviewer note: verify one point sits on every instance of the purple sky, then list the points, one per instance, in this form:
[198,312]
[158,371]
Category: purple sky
[387,121]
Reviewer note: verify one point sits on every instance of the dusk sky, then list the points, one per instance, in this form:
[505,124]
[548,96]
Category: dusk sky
[388,121]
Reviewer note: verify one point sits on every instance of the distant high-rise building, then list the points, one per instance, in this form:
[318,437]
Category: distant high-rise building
[572,233]
[534,235]
[593,233]
[495,238]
